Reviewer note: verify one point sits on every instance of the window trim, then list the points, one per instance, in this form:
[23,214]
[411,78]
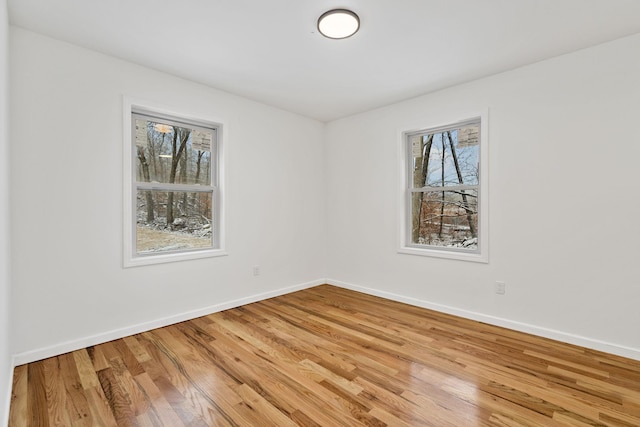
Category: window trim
[130,258]
[405,246]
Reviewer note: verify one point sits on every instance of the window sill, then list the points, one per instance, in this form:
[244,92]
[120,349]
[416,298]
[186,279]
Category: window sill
[435,253]
[174,257]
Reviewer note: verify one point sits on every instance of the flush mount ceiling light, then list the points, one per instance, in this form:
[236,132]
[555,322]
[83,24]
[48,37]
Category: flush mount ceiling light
[338,24]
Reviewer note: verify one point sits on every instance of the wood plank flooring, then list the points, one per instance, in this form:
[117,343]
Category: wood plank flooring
[328,357]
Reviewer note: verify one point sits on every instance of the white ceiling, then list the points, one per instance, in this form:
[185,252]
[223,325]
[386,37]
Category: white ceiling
[270,50]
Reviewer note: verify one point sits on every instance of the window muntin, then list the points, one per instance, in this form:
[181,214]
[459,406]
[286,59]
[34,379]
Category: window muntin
[174,187]
[444,188]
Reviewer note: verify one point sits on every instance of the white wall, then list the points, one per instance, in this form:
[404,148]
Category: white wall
[303,211]
[5,294]
[564,201]
[69,284]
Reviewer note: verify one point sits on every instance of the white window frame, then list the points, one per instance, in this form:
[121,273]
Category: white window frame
[130,258]
[405,246]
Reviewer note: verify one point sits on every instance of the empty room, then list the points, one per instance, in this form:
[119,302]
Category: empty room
[318,213]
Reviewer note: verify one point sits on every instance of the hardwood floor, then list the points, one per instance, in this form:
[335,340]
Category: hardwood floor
[328,357]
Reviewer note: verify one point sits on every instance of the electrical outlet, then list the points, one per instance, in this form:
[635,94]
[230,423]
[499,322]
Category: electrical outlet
[256,270]
[501,288]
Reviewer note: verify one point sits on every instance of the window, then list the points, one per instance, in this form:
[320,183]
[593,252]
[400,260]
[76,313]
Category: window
[174,199]
[445,190]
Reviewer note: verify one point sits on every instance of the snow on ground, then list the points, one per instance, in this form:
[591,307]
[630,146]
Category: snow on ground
[154,240]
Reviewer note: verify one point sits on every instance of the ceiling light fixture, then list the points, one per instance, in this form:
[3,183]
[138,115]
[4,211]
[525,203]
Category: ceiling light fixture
[338,24]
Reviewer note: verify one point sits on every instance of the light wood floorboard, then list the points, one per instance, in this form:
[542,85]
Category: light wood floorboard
[327,356]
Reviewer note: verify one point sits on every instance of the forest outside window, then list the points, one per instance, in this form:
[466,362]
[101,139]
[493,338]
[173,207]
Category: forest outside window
[444,191]
[175,197]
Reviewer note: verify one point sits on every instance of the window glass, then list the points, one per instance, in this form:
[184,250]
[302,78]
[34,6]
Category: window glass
[444,178]
[159,145]
[190,229]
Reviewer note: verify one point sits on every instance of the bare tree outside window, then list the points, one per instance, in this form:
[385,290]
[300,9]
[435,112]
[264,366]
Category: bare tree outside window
[175,185]
[444,186]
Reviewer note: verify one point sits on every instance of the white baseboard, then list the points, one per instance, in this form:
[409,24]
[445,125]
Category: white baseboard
[43,353]
[57,349]
[607,347]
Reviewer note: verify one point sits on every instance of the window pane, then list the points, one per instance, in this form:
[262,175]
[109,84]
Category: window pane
[168,153]
[173,221]
[446,158]
[445,219]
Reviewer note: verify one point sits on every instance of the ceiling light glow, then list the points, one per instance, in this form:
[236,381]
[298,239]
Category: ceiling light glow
[162,128]
[338,24]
